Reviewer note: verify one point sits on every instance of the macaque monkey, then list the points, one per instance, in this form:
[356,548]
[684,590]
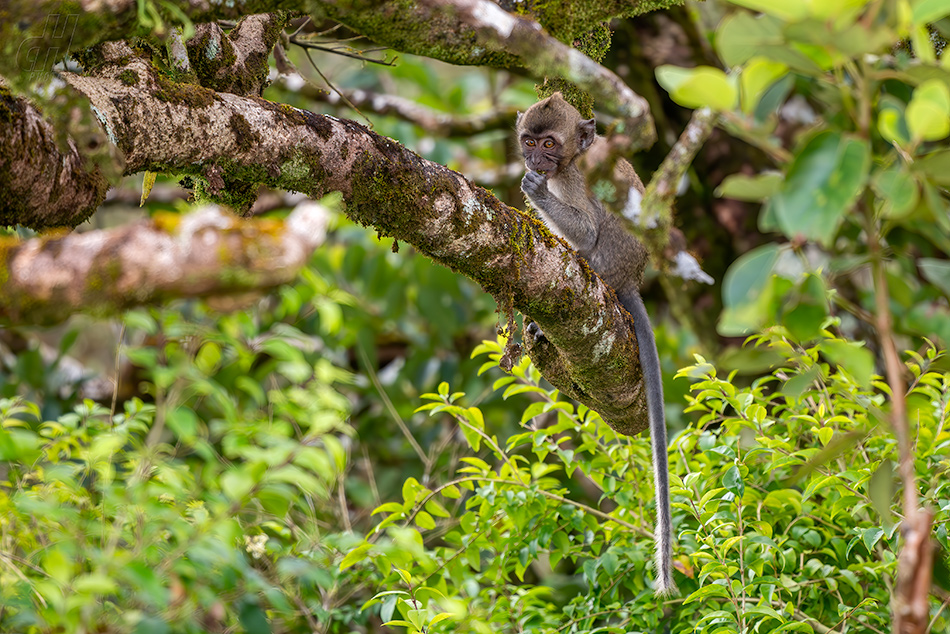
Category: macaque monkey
[555,141]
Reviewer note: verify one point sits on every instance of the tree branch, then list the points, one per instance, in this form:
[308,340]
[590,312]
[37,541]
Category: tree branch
[470,32]
[43,186]
[436,123]
[208,252]
[508,252]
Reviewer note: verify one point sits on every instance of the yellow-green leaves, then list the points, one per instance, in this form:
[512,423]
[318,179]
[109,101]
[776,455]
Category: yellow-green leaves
[698,87]
[928,113]
[756,77]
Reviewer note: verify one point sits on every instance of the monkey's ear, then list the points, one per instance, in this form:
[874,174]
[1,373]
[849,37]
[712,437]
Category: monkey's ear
[586,133]
[518,118]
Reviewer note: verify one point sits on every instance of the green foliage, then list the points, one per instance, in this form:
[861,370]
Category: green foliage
[184,515]
[220,496]
[868,166]
[784,510]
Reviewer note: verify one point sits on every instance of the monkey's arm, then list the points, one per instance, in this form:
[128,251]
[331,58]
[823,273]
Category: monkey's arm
[577,225]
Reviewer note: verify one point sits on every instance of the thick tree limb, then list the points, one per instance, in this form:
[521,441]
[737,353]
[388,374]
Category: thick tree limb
[460,28]
[471,32]
[42,186]
[508,252]
[208,252]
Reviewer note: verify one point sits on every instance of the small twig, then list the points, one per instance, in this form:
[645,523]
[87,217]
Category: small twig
[118,376]
[334,88]
[307,45]
[389,406]
[658,197]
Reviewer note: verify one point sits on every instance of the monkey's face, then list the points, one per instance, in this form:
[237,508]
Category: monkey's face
[542,154]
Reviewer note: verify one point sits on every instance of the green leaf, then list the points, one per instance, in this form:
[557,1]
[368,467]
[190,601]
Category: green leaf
[853,357]
[797,385]
[703,86]
[745,291]
[95,583]
[823,182]
[237,483]
[758,75]
[937,272]
[742,37]
[208,358]
[58,565]
[732,480]
[928,113]
[750,188]
[748,275]
[881,489]
[871,536]
[252,617]
[355,556]
[927,11]
[712,590]
[897,190]
[183,422]
[424,520]
[936,166]
[891,122]
[787,10]
[809,311]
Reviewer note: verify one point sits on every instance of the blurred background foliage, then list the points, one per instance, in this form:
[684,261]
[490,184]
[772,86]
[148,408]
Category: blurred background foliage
[261,463]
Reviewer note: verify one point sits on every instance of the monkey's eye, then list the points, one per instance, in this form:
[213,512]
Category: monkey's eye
[529,142]
[549,143]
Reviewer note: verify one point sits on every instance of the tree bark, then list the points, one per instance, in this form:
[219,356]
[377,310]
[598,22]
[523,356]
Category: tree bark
[510,253]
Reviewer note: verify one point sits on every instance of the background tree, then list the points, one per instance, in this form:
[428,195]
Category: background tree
[214,464]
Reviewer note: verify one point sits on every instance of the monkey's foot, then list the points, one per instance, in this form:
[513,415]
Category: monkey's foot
[535,332]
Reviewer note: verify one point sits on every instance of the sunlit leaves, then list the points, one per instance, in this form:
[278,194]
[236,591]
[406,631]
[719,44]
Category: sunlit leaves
[698,87]
[928,113]
[757,76]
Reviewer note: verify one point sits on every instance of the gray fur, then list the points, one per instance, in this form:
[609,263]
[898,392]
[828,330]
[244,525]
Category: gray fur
[566,204]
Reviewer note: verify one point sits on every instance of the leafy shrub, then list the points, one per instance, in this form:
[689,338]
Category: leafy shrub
[784,510]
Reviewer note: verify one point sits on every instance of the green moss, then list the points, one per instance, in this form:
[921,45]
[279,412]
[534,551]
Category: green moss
[129,77]
[238,195]
[104,276]
[244,134]
[6,246]
[185,94]
[10,109]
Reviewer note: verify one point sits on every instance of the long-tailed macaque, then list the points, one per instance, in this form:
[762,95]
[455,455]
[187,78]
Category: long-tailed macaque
[555,139]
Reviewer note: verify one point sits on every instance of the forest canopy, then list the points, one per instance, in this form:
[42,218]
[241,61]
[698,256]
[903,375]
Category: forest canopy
[265,276]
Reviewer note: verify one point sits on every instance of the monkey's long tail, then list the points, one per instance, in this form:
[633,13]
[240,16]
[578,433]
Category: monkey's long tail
[653,383]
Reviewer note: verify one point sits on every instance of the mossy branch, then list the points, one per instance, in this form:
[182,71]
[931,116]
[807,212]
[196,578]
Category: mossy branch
[206,253]
[470,32]
[44,180]
[508,252]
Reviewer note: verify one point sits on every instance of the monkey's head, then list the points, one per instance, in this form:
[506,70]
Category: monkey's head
[552,134]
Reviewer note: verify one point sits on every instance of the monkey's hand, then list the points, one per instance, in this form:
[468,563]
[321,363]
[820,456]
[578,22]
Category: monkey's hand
[535,186]
[535,332]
